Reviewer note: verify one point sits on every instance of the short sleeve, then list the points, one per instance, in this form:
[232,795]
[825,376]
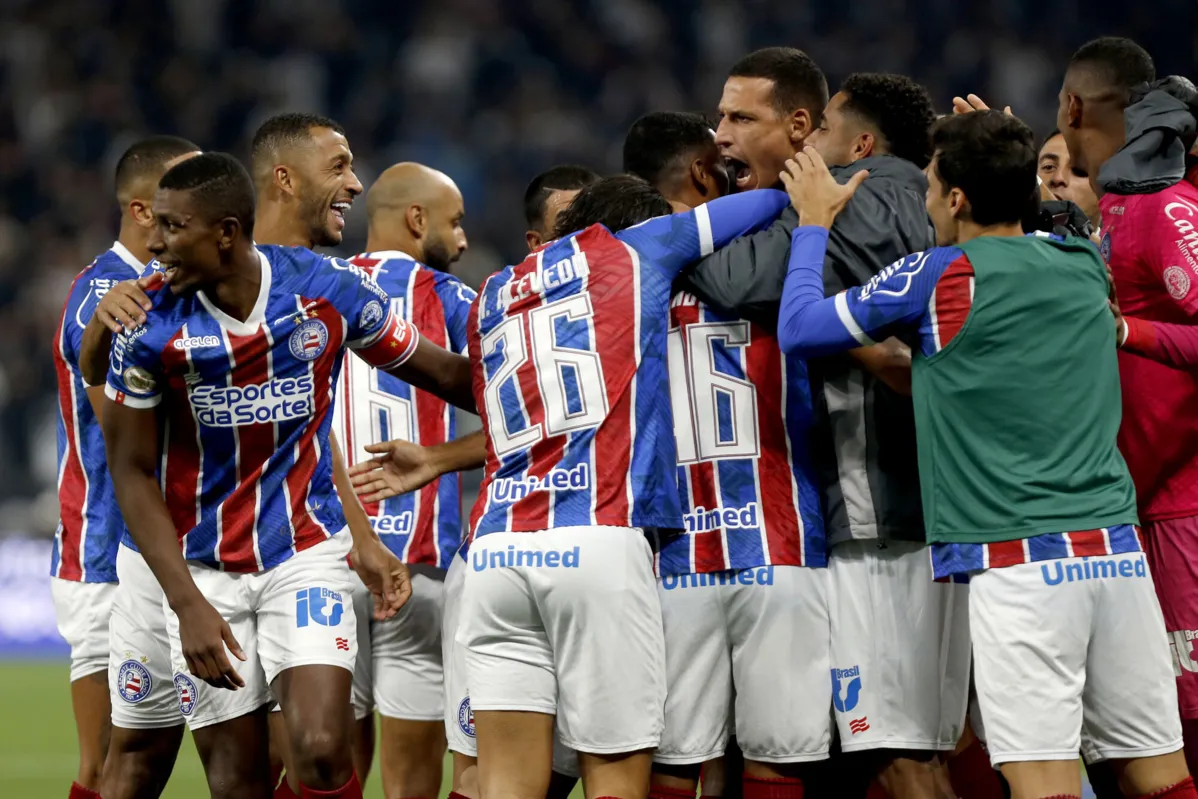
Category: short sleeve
[456,299]
[134,371]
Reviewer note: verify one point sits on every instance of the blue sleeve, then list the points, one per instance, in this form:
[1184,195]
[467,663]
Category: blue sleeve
[894,300]
[134,369]
[674,242]
[456,299]
[363,304]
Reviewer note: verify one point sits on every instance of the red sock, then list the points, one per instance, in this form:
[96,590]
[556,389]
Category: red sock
[79,792]
[350,790]
[283,791]
[771,788]
[657,791]
[972,775]
[456,795]
[1182,790]
[1063,796]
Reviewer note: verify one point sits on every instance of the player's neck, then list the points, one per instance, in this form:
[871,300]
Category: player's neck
[970,230]
[392,241]
[275,225]
[133,237]
[236,292]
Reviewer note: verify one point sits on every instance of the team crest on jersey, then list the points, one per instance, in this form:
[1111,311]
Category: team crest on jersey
[371,315]
[138,379]
[133,681]
[1178,282]
[466,717]
[1104,247]
[186,690]
[309,340]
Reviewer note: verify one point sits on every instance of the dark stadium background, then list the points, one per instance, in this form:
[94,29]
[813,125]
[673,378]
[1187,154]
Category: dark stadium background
[490,91]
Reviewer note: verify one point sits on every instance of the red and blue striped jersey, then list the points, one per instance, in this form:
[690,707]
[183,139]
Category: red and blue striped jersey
[245,465]
[570,376]
[742,412]
[926,299]
[423,526]
[90,526]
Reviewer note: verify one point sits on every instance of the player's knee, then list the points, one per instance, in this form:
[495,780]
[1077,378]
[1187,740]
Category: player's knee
[321,756]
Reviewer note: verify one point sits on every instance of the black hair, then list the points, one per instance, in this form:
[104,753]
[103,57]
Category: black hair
[798,80]
[286,130]
[898,107]
[659,142]
[1052,134]
[991,157]
[617,203]
[219,184]
[1119,64]
[564,177]
[147,159]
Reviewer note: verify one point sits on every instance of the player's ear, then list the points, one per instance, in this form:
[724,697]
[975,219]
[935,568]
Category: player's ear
[702,178]
[1074,111]
[957,203]
[533,239]
[141,213]
[227,230]
[417,220]
[802,125]
[863,145]
[284,179]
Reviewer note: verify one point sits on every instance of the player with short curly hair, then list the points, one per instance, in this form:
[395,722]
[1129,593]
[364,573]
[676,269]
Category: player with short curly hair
[876,113]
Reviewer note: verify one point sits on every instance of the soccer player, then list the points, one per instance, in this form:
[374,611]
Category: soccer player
[560,615]
[1023,487]
[1063,180]
[548,195]
[414,235]
[900,653]
[745,624]
[84,565]
[1148,243]
[238,359]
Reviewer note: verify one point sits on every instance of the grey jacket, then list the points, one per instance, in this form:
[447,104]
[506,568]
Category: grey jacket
[863,443]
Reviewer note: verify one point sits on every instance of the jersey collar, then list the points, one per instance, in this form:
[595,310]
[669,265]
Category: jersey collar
[257,316]
[387,255]
[123,253]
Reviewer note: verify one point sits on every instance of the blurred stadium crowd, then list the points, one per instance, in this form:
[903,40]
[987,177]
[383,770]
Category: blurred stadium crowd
[490,91]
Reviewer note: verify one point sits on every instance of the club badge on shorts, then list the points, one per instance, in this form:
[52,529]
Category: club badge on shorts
[308,340]
[186,690]
[466,717]
[133,681]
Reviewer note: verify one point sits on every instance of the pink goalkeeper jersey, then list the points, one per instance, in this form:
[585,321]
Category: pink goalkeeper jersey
[1150,242]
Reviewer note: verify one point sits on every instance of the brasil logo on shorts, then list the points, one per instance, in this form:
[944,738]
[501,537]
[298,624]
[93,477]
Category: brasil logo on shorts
[308,340]
[133,681]
[851,679]
[466,717]
[187,694]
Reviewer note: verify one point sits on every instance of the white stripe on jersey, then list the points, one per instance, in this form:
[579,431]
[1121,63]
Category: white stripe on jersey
[220,506]
[636,356]
[77,443]
[593,336]
[934,319]
[850,324]
[195,418]
[703,223]
[414,431]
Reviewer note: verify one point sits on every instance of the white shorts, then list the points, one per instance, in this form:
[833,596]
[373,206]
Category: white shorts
[573,628]
[758,637]
[1071,656]
[140,686]
[300,613]
[82,611]
[399,660]
[900,648]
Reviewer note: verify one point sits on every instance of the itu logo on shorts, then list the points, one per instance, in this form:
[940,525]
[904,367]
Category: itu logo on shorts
[1055,572]
[511,557]
[186,690]
[846,699]
[466,717]
[320,605]
[133,681]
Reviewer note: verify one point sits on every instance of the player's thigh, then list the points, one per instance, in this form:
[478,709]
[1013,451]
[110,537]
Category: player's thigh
[458,717]
[508,655]
[201,704]
[603,618]
[82,611]
[406,662]
[778,622]
[1031,632]
[1130,695]
[234,753]
[900,649]
[141,679]
[1172,548]
[305,613]
[515,753]
[698,668]
[363,682]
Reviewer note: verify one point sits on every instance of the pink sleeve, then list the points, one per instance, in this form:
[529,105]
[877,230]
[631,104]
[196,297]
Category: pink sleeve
[1170,224]
[1170,344]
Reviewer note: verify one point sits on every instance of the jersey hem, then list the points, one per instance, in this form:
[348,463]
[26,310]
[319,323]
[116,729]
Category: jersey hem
[1098,755]
[1020,534]
[1168,517]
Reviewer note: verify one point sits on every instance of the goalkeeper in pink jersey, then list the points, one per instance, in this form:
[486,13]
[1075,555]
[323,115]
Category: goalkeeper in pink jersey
[1150,244]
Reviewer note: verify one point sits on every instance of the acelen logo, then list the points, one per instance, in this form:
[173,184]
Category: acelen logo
[195,342]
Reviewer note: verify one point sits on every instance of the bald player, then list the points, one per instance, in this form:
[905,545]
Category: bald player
[414,234]
[548,195]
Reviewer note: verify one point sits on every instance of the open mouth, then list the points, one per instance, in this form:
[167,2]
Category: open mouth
[741,173]
[340,209]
